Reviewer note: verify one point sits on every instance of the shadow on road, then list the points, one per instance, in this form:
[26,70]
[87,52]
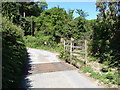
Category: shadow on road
[25,79]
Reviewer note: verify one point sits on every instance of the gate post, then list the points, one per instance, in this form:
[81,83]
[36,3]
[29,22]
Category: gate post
[71,50]
[86,54]
[64,46]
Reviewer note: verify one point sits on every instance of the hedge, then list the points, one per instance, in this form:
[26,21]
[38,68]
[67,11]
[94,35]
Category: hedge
[14,54]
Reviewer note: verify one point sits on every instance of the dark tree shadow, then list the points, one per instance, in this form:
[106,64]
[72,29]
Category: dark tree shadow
[25,83]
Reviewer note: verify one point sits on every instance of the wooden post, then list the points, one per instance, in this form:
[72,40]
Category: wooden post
[71,50]
[64,46]
[31,25]
[24,17]
[86,54]
[24,14]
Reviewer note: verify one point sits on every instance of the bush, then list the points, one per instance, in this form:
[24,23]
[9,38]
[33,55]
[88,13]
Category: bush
[73,62]
[116,77]
[38,42]
[14,54]
[105,69]
[105,43]
[87,69]
[95,75]
[33,41]
[64,56]
[109,75]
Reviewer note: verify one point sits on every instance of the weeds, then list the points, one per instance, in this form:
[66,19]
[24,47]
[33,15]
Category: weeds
[105,76]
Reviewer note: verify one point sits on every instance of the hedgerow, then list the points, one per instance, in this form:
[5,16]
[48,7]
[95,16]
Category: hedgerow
[14,54]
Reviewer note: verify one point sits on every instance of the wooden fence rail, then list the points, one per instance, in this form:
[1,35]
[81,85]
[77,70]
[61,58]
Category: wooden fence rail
[69,47]
[74,41]
[75,46]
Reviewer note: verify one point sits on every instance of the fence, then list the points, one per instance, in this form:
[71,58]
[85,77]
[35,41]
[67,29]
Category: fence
[70,46]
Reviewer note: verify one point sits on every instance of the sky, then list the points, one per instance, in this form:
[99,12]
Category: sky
[85,6]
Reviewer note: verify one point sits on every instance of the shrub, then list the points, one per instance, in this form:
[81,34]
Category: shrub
[87,69]
[109,75]
[104,69]
[64,56]
[33,41]
[14,54]
[94,75]
[73,62]
[116,77]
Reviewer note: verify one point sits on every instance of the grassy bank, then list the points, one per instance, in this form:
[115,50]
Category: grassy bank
[107,77]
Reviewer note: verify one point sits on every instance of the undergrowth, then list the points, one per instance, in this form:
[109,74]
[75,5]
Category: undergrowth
[35,42]
[106,76]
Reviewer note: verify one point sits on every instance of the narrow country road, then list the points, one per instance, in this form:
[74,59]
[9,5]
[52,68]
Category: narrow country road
[45,70]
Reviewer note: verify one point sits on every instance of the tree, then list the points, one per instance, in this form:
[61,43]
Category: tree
[51,22]
[9,10]
[82,13]
[106,33]
[43,5]
[23,9]
[70,13]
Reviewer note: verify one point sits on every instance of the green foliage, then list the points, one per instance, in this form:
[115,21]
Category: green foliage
[39,42]
[75,29]
[109,75]
[51,22]
[87,69]
[9,10]
[116,77]
[64,55]
[91,58]
[57,23]
[104,69]
[95,75]
[18,11]
[27,8]
[73,62]
[82,13]
[106,76]
[14,54]
[105,43]
[30,41]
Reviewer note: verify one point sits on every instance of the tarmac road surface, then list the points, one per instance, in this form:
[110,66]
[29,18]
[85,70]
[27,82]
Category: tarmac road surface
[45,70]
